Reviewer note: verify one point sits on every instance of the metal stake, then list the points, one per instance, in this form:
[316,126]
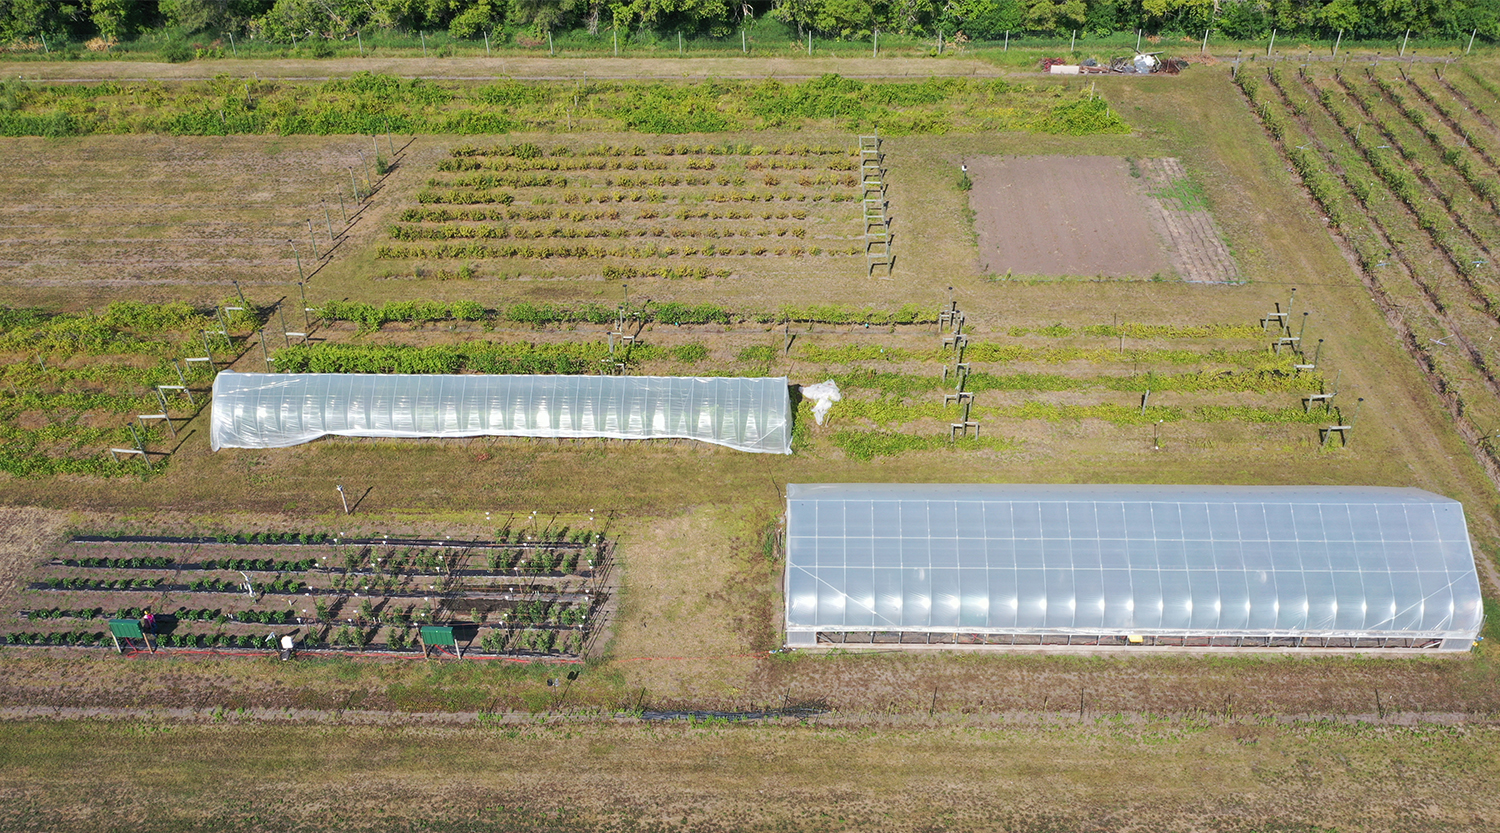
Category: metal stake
[343,498]
[306,322]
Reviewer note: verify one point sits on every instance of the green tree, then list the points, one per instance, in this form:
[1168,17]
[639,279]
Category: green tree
[1055,15]
[110,17]
[479,16]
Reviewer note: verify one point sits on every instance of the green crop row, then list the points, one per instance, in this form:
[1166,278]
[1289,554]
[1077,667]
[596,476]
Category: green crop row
[491,181]
[123,327]
[527,150]
[440,215]
[731,214]
[656,180]
[1326,189]
[472,357]
[452,231]
[666,272]
[658,312]
[867,445]
[581,163]
[545,252]
[1400,180]
[67,448]
[367,104]
[148,563]
[1460,159]
[80,583]
[1454,115]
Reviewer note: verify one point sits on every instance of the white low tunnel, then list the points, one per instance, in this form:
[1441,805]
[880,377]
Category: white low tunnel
[275,410]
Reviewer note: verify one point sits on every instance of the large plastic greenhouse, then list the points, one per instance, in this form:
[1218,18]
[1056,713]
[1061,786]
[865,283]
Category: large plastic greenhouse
[1206,566]
[275,410]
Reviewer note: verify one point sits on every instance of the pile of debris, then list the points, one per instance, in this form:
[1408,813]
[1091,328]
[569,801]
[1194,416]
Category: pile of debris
[1143,63]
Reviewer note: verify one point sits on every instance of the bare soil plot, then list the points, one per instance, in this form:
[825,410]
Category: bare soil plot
[128,211]
[1063,215]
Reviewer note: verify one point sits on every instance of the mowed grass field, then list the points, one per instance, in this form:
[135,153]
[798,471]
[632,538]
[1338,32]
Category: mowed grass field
[700,597]
[1098,773]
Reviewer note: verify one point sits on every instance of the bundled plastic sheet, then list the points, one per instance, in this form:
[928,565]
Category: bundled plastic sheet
[1337,562]
[275,410]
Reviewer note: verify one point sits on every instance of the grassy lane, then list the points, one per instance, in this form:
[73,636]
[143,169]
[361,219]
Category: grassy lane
[1226,774]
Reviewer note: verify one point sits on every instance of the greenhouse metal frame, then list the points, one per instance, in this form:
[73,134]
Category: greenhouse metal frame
[1100,565]
[276,410]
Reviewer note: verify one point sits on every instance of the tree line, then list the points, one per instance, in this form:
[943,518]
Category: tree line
[286,21]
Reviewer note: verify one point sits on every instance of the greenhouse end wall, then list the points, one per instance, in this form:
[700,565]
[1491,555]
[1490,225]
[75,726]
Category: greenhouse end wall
[276,410]
[1209,566]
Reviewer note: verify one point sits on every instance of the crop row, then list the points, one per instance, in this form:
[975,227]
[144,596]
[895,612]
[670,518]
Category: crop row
[531,640]
[1413,135]
[1425,298]
[659,180]
[665,272]
[1399,179]
[1458,157]
[581,163]
[1448,104]
[472,357]
[527,150]
[81,583]
[471,196]
[668,312]
[480,251]
[443,215]
[453,231]
[138,563]
[1207,381]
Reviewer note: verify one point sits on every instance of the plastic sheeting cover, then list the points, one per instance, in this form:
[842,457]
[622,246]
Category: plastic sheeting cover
[275,410]
[1120,560]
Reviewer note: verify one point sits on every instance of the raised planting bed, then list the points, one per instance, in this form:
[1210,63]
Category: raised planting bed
[522,597]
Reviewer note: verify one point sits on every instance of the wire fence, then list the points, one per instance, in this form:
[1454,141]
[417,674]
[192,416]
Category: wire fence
[765,39]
